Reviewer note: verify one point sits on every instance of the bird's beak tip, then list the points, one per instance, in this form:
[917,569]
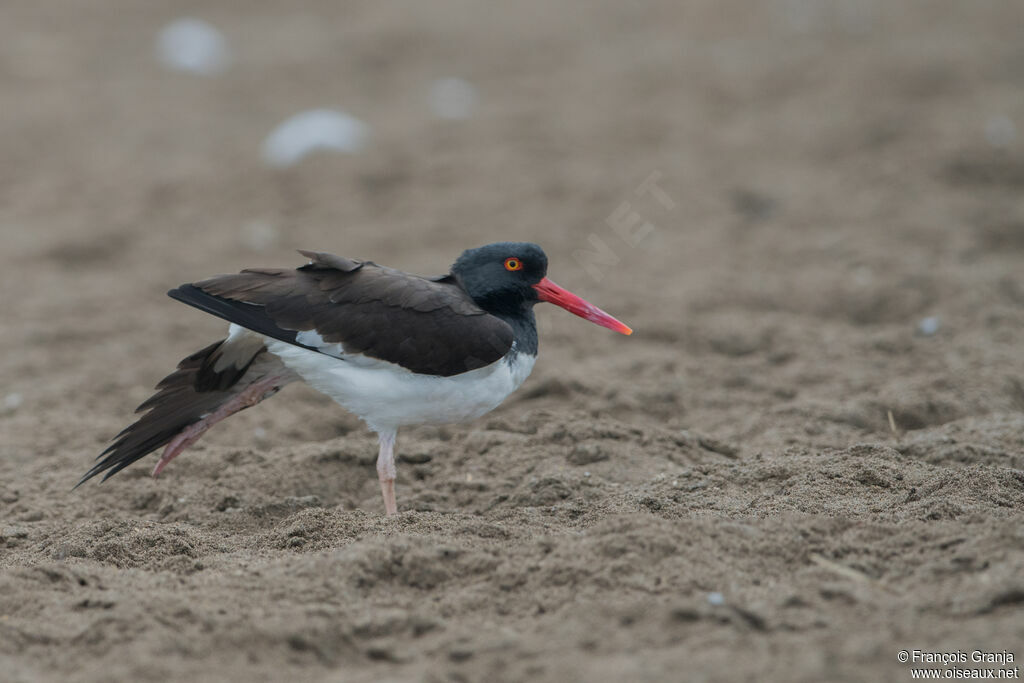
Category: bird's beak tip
[549,291]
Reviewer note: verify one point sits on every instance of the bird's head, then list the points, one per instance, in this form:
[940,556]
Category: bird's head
[508,277]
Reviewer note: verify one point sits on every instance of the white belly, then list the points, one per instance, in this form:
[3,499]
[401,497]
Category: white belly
[387,396]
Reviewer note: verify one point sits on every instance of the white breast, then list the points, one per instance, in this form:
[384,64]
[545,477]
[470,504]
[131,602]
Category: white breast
[387,396]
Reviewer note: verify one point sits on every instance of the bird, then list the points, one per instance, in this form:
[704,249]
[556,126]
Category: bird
[394,349]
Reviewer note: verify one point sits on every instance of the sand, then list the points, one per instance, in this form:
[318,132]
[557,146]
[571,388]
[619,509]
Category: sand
[807,458]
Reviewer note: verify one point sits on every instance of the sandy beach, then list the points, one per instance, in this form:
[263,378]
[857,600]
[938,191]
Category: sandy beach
[808,457]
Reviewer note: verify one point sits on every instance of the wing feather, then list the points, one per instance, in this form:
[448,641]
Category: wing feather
[426,325]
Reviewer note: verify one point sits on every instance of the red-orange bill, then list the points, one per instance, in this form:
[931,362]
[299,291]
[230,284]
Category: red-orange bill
[550,292]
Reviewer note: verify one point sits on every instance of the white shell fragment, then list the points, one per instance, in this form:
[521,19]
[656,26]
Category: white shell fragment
[194,46]
[453,99]
[928,326]
[259,235]
[314,130]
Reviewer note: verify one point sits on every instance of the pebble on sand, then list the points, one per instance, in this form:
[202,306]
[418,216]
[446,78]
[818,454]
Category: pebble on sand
[928,326]
[314,130]
[194,46]
[259,235]
[453,99]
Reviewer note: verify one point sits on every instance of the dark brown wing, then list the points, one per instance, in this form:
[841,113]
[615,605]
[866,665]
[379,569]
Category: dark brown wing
[201,384]
[428,326]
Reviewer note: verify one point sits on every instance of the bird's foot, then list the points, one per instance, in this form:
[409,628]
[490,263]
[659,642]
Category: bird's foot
[183,440]
[387,487]
[386,471]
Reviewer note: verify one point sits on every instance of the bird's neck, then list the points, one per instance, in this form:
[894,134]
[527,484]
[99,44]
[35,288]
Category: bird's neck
[524,328]
[517,312]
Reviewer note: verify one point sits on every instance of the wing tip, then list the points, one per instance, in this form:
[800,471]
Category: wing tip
[92,472]
[183,292]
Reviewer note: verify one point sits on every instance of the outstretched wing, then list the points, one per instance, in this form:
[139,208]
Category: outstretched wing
[342,307]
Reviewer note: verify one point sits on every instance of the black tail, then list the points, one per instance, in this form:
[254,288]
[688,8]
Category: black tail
[202,382]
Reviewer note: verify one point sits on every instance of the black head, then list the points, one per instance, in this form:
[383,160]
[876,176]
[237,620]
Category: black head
[500,276]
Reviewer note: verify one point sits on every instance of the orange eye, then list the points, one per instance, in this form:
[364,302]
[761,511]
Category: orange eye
[513,264]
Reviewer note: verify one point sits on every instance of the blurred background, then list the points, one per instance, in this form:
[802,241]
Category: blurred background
[693,166]
[809,211]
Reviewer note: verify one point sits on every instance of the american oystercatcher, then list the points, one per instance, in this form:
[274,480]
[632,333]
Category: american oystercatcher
[394,349]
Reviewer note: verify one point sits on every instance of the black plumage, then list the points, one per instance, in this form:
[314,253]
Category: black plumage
[202,382]
[427,325]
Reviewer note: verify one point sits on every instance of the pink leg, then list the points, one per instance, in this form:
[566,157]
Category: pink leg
[250,396]
[386,471]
